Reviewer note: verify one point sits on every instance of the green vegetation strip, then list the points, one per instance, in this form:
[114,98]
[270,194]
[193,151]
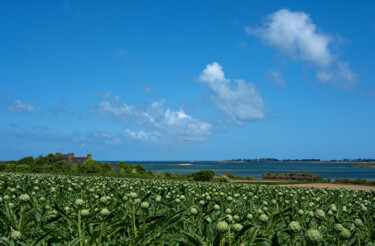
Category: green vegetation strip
[45,209]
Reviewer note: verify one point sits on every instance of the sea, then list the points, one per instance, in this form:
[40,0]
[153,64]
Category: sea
[256,169]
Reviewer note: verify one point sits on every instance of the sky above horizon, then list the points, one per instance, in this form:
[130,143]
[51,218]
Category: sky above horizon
[187,80]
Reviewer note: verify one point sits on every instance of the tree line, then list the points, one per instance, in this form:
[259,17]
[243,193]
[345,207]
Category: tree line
[59,164]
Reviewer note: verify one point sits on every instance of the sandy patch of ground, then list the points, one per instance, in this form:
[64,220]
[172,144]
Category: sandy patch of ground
[334,186]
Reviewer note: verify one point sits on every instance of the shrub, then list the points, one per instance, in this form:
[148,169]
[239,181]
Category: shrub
[223,179]
[23,168]
[168,174]
[2,166]
[229,175]
[159,174]
[202,175]
[292,176]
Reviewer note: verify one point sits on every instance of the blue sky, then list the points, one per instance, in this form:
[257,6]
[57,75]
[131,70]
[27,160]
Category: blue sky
[187,80]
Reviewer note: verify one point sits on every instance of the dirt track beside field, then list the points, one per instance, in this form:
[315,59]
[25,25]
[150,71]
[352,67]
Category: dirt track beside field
[334,186]
[316,185]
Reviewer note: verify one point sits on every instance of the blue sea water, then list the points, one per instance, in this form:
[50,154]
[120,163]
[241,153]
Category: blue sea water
[256,169]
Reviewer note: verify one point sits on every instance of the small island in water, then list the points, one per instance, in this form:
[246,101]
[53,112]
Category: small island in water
[366,165]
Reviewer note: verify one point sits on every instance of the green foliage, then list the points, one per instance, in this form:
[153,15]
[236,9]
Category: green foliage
[229,175]
[54,163]
[133,170]
[355,181]
[223,180]
[205,175]
[122,165]
[26,160]
[168,174]
[292,176]
[23,168]
[3,165]
[45,209]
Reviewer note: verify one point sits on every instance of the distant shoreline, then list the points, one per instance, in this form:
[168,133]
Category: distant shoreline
[365,165]
[349,162]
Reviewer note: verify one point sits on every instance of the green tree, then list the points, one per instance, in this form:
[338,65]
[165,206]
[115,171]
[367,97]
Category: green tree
[205,175]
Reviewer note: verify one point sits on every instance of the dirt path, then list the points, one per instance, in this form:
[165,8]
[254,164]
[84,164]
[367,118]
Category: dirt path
[317,185]
[334,186]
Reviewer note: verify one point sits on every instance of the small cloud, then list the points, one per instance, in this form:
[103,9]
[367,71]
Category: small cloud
[140,135]
[165,126]
[274,76]
[239,100]
[18,107]
[295,34]
[339,75]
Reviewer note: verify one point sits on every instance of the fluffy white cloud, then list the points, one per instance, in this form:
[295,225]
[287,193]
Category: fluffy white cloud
[17,106]
[294,34]
[164,125]
[239,100]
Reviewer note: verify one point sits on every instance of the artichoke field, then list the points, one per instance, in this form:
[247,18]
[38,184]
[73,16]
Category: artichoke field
[73,210]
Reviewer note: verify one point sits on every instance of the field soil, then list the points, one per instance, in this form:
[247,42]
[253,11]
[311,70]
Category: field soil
[334,186]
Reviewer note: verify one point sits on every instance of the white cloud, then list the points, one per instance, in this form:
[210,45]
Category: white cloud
[107,138]
[140,135]
[242,102]
[17,106]
[165,125]
[294,34]
[339,75]
[213,74]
